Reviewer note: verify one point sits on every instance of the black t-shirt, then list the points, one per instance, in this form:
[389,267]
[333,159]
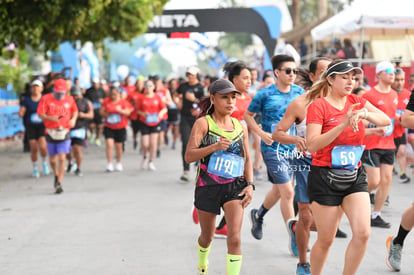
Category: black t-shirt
[94,94]
[197,90]
[83,106]
[410,105]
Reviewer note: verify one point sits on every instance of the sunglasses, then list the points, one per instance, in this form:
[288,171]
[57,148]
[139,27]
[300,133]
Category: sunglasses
[389,71]
[289,70]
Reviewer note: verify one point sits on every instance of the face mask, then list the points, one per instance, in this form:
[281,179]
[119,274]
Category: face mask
[58,95]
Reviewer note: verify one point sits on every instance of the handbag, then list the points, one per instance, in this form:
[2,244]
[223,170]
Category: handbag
[341,179]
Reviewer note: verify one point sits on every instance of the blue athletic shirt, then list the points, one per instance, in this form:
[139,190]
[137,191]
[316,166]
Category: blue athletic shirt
[30,116]
[272,103]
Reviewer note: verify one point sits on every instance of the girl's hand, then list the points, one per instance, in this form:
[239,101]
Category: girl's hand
[223,144]
[248,195]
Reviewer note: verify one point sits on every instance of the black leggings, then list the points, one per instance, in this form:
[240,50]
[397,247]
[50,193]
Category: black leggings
[186,124]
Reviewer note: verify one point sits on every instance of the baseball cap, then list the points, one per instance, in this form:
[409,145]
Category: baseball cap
[222,86]
[343,67]
[384,66]
[95,80]
[76,90]
[61,85]
[192,70]
[37,82]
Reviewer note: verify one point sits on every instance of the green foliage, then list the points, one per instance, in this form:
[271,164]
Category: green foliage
[234,44]
[47,23]
[18,75]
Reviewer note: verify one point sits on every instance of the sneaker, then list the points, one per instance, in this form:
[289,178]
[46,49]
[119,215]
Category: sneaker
[78,172]
[185,176]
[69,168]
[387,201]
[393,254]
[36,173]
[221,233]
[195,216]
[257,175]
[257,224]
[46,170]
[135,144]
[144,164]
[203,270]
[292,238]
[340,234]
[57,186]
[404,178]
[74,167]
[119,167]
[303,269]
[379,222]
[151,166]
[173,146]
[98,142]
[394,172]
[158,153]
[109,167]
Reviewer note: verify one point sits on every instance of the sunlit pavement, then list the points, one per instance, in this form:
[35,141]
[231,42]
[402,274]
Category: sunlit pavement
[139,222]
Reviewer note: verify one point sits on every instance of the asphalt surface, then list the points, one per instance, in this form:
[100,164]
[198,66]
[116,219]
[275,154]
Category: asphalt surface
[139,222]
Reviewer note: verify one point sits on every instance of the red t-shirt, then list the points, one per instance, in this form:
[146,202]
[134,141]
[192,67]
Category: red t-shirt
[63,108]
[115,120]
[241,106]
[386,102]
[323,113]
[133,98]
[152,106]
[403,99]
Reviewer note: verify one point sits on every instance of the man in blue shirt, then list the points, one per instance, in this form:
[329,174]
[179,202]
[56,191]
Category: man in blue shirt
[272,102]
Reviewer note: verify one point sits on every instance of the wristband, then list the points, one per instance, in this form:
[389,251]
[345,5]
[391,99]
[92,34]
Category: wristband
[365,110]
[251,183]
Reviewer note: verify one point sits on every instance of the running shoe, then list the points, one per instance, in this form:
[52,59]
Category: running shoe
[135,144]
[257,224]
[203,270]
[303,269]
[46,170]
[394,252]
[185,176]
[109,167]
[144,164]
[74,166]
[36,173]
[78,172]
[404,178]
[379,222]
[151,166]
[173,146]
[340,234]
[257,175]
[57,186]
[98,142]
[119,167]
[221,233]
[292,238]
[195,216]
[158,153]
[69,168]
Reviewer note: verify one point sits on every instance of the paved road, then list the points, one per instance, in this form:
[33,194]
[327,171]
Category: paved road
[139,222]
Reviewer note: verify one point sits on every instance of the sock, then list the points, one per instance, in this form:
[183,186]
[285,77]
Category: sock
[233,264]
[222,223]
[203,256]
[375,214]
[402,233]
[261,212]
[34,165]
[44,160]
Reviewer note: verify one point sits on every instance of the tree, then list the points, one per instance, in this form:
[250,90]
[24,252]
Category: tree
[47,23]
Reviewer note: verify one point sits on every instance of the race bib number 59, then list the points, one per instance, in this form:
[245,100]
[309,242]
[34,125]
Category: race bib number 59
[347,156]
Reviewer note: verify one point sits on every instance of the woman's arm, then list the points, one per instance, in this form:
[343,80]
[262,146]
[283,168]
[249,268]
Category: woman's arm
[193,152]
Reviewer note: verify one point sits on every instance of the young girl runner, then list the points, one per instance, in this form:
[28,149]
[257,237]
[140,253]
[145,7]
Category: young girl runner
[225,173]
